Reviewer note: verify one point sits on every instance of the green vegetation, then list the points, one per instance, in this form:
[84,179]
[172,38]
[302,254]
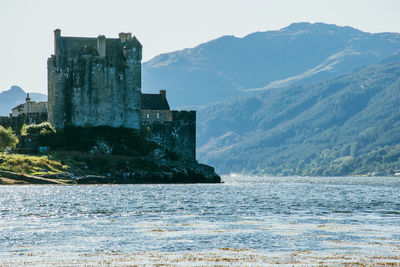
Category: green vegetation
[344,126]
[7,138]
[33,165]
[81,151]
[80,163]
[103,140]
[44,133]
[382,161]
[76,163]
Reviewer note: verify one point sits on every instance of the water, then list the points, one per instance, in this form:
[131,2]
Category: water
[281,220]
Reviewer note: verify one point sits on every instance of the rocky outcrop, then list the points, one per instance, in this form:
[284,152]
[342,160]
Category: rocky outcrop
[199,174]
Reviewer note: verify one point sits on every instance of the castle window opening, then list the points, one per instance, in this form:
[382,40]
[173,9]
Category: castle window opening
[148,115]
[158,115]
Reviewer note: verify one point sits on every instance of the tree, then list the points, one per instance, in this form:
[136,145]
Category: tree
[7,138]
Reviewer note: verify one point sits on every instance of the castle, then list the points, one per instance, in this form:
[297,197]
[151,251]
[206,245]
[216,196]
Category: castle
[97,82]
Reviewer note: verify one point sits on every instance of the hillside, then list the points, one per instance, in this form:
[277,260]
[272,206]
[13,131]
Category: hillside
[15,96]
[229,66]
[341,126]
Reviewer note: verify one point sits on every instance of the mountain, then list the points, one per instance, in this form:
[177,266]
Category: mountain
[229,66]
[341,126]
[15,96]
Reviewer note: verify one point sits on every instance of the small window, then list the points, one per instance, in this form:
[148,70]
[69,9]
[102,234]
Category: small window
[158,115]
[148,115]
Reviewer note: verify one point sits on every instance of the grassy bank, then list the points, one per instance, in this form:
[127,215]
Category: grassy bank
[32,165]
[70,167]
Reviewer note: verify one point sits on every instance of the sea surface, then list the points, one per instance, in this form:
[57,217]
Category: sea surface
[244,221]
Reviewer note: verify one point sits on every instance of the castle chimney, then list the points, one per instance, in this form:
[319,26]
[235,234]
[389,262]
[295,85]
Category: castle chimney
[101,46]
[163,93]
[57,37]
[125,36]
[57,48]
[28,99]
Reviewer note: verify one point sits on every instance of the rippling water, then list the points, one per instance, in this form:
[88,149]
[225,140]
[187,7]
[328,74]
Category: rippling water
[264,216]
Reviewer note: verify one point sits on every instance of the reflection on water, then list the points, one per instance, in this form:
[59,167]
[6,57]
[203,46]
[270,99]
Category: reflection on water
[246,219]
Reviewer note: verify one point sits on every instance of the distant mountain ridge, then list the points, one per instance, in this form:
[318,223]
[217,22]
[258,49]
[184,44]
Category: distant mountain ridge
[229,66]
[341,126]
[15,96]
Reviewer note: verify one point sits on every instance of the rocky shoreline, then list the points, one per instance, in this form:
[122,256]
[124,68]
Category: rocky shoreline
[198,173]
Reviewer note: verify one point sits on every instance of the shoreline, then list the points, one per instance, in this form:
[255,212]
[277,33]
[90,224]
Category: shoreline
[68,168]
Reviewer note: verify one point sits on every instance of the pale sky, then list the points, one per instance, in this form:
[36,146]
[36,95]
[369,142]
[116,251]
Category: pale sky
[26,26]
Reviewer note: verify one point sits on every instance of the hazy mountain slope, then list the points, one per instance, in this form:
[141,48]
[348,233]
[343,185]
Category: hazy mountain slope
[228,66]
[15,96]
[276,130]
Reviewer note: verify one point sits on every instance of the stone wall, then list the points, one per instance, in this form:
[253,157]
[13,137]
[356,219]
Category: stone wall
[178,135]
[94,83]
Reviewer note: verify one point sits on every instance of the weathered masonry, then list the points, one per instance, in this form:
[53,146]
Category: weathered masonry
[175,130]
[97,82]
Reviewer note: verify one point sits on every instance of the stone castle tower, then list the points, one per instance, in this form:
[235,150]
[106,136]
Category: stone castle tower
[95,81]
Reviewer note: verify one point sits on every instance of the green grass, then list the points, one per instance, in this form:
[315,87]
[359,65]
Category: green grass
[33,165]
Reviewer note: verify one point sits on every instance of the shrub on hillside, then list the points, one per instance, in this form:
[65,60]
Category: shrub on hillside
[44,133]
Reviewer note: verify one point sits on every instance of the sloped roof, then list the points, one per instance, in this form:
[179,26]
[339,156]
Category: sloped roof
[154,102]
[133,42]
[20,106]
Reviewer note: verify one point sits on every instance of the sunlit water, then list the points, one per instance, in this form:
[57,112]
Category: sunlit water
[277,220]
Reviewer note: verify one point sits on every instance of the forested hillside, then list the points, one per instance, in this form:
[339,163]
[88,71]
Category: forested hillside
[341,126]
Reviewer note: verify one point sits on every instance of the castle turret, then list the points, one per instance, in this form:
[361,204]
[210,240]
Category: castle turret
[57,45]
[101,46]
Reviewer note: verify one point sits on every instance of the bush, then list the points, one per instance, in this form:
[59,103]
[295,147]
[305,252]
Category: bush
[7,138]
[43,132]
